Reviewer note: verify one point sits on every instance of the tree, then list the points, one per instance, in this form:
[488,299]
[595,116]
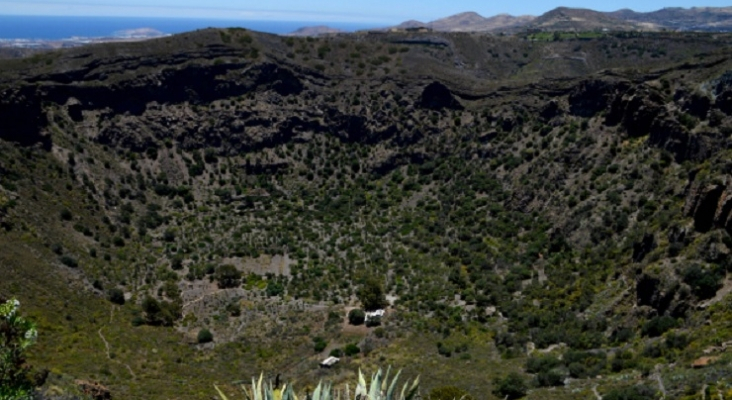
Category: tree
[16,335]
[356,316]
[512,386]
[227,276]
[371,295]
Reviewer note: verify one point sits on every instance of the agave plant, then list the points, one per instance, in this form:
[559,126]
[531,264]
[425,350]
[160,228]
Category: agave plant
[264,391]
[379,388]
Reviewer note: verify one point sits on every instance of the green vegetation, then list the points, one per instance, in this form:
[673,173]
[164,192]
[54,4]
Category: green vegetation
[16,335]
[204,336]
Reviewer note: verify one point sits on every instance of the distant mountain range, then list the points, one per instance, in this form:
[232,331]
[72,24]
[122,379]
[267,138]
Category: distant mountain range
[563,19]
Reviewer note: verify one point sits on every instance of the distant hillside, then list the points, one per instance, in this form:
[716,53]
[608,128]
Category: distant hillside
[564,19]
[315,31]
[470,22]
[692,19]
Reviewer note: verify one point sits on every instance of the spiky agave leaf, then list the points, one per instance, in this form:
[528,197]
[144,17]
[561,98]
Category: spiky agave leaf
[223,396]
[390,390]
[361,387]
[411,393]
[288,393]
[375,387]
[385,380]
[323,391]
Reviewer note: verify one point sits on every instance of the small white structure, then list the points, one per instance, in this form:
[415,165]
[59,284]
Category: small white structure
[329,362]
[373,314]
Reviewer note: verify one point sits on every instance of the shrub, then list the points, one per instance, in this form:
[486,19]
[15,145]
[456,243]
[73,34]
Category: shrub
[511,386]
[205,336]
[351,350]
[704,282]
[356,316]
[17,335]
[160,312]
[336,353]
[319,344]
[542,363]
[658,326]
[228,276]
[275,288]
[116,296]
[66,215]
[552,377]
[449,393]
[640,392]
[69,261]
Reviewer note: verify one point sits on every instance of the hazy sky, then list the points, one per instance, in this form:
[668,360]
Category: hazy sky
[372,11]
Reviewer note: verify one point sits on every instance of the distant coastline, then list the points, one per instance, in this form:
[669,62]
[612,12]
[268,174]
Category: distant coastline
[57,28]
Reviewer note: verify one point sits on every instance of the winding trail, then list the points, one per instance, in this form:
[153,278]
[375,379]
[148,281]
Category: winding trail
[109,352]
[659,379]
[597,394]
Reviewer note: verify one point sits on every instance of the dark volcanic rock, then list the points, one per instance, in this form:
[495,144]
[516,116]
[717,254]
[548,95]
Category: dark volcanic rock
[21,118]
[636,110]
[437,96]
[591,97]
[697,105]
[663,294]
[642,248]
[668,134]
[702,204]
[550,110]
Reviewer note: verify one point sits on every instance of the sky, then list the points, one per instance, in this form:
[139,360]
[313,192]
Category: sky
[363,11]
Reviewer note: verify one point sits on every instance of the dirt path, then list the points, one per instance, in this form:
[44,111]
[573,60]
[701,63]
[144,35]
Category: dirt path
[597,394]
[659,379]
[107,347]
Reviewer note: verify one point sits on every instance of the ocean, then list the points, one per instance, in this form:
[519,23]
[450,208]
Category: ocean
[53,28]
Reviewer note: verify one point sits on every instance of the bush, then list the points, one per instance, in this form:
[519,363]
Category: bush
[553,377]
[275,288]
[351,350]
[640,392]
[512,386]
[66,215]
[336,353]
[356,316]
[319,344]
[449,393]
[116,296]
[704,282]
[205,336]
[542,363]
[161,312]
[658,326]
[17,335]
[228,276]
[69,261]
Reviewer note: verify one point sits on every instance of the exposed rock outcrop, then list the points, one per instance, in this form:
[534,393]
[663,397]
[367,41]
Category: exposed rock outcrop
[437,96]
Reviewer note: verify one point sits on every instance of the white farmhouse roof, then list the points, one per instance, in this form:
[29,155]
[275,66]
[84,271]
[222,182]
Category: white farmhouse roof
[372,314]
[329,362]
